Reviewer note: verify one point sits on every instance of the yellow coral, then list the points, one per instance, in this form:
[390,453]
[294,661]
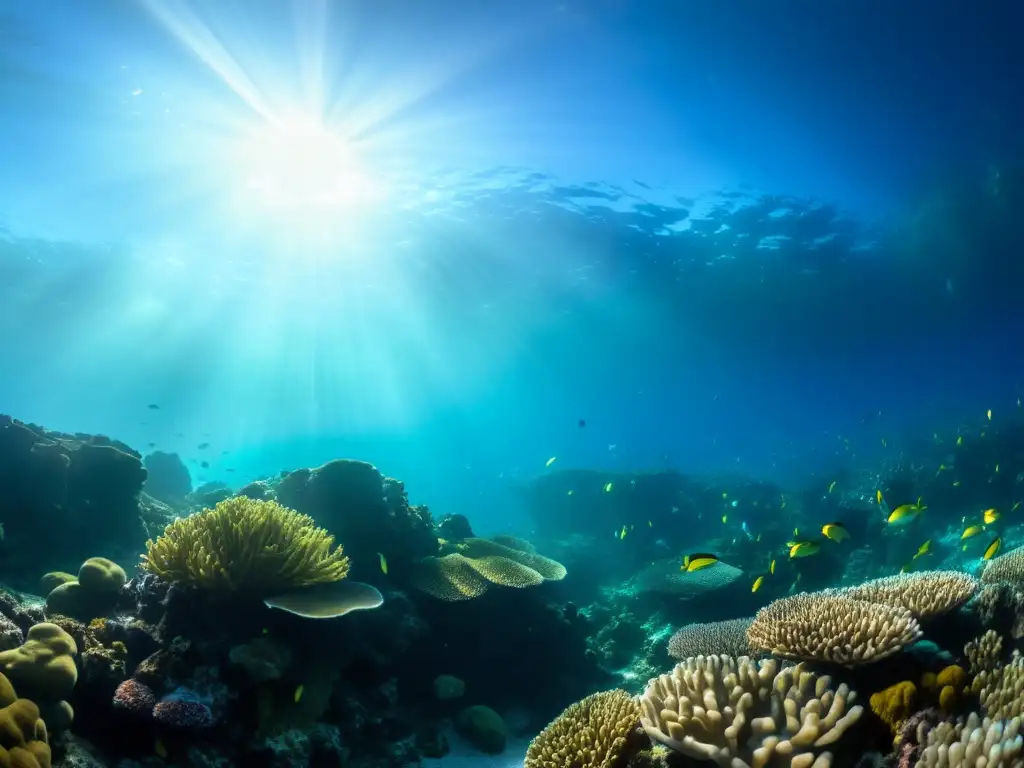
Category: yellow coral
[23,737]
[245,544]
[45,662]
[894,704]
[597,732]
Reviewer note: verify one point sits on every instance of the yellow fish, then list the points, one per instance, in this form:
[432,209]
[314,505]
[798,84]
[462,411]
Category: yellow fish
[622,533]
[956,483]
[878,496]
[771,568]
[997,469]
[971,532]
[725,495]
[904,514]
[940,470]
[835,531]
[551,461]
[990,516]
[698,562]
[796,532]
[804,549]
[608,488]
[725,518]
[160,749]
[298,693]
[757,583]
[569,494]
[924,549]
[992,549]
[832,486]
[989,414]
[960,440]
[383,563]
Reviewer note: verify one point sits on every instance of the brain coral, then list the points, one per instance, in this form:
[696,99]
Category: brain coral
[740,712]
[596,732]
[925,594]
[249,545]
[829,626]
[711,639]
[23,738]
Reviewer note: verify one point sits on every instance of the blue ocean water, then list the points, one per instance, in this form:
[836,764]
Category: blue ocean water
[721,237]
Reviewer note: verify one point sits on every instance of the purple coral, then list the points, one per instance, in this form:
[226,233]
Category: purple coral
[135,697]
[183,708]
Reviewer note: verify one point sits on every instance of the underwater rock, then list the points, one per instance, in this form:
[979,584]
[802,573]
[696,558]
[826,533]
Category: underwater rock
[454,528]
[257,489]
[448,687]
[183,709]
[209,495]
[262,659]
[168,478]
[10,634]
[483,728]
[134,697]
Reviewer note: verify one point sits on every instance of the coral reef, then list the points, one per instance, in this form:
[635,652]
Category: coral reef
[246,545]
[926,594]
[24,742]
[829,626]
[600,731]
[710,639]
[973,743]
[741,712]
[94,593]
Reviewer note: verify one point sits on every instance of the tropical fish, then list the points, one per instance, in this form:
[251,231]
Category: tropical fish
[878,496]
[959,439]
[650,524]
[1016,506]
[971,532]
[569,493]
[990,516]
[153,407]
[997,469]
[924,549]
[992,549]
[698,562]
[956,483]
[989,414]
[607,487]
[622,533]
[796,532]
[757,583]
[904,514]
[725,518]
[771,568]
[551,461]
[383,563]
[804,549]
[835,531]
[298,693]
[832,486]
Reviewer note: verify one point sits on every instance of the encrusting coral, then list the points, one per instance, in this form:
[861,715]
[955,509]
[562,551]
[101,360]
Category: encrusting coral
[830,626]
[244,544]
[895,704]
[477,564]
[596,732]
[975,743]
[709,638]
[926,594]
[744,713]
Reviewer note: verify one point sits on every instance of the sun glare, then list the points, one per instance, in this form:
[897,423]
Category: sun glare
[301,166]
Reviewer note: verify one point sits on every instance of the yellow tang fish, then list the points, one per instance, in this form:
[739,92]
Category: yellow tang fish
[298,693]
[989,414]
[904,514]
[804,549]
[878,496]
[551,461]
[990,516]
[757,583]
[725,518]
[832,486]
[622,533]
[835,531]
[608,488]
[698,562]
[924,549]
[771,568]
[383,563]
[992,549]
[971,532]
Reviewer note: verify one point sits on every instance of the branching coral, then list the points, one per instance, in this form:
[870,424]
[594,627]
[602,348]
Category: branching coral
[710,638]
[926,594]
[984,654]
[1006,569]
[975,743]
[1001,690]
[596,732]
[830,626]
[740,713]
[244,544]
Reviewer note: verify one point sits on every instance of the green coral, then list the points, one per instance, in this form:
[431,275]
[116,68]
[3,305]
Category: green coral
[248,545]
[93,594]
